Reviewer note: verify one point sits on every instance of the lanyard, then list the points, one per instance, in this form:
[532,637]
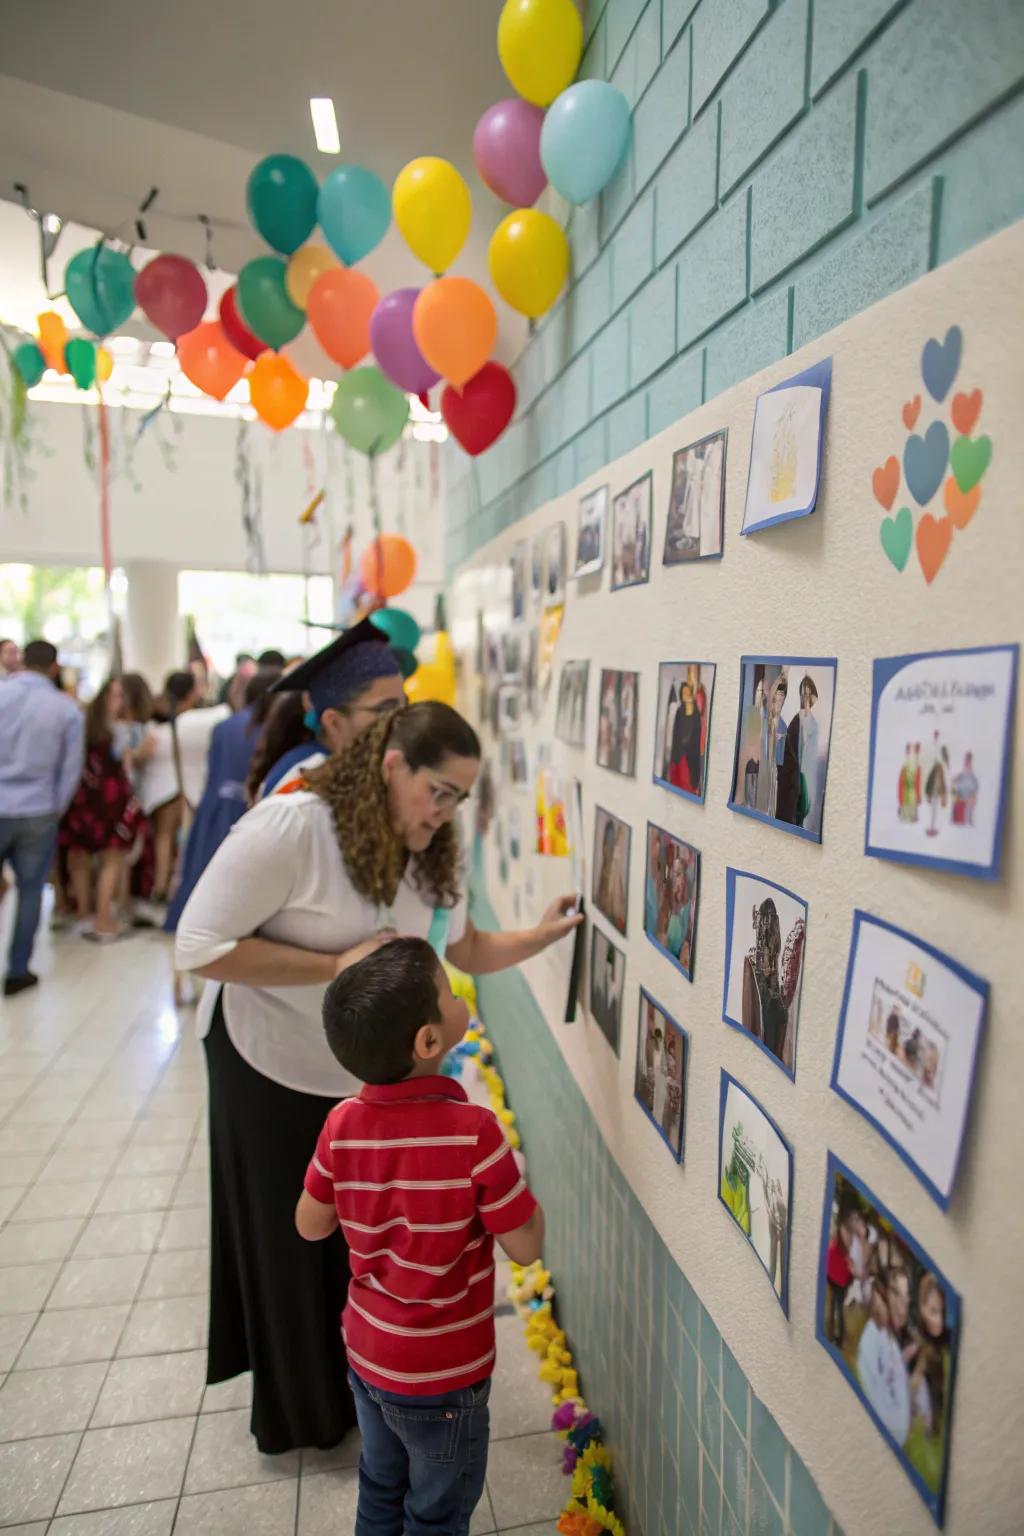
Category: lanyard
[437,935]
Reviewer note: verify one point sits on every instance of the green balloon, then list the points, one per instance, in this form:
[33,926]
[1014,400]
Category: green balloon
[80,356]
[30,363]
[100,285]
[407,661]
[369,411]
[263,299]
[400,627]
[282,199]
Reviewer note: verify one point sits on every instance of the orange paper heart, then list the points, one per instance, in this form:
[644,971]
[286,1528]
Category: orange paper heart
[932,538]
[966,410]
[961,505]
[885,482]
[911,411]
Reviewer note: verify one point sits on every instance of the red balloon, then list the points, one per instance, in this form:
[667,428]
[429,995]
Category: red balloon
[235,329]
[171,293]
[477,415]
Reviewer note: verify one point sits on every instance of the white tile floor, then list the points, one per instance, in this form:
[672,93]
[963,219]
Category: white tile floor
[106,1427]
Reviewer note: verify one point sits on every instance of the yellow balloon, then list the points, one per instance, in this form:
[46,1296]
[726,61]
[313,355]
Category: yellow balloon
[529,261]
[307,264]
[104,364]
[430,681]
[540,43]
[433,211]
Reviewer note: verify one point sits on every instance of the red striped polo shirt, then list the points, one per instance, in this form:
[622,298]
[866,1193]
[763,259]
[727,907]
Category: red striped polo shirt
[421,1180]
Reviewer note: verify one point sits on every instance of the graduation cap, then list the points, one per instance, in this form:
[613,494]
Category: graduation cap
[343,668]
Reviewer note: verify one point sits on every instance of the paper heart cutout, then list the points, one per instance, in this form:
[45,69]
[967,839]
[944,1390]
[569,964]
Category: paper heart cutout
[960,505]
[911,411]
[924,462]
[940,361]
[966,410]
[933,538]
[885,482]
[969,460]
[897,535]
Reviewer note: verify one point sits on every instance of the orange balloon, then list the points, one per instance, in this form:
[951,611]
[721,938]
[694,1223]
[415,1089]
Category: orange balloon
[209,360]
[455,327]
[277,391]
[339,307]
[53,335]
[388,565]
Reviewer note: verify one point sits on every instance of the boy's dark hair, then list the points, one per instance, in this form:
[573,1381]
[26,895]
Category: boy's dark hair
[374,1009]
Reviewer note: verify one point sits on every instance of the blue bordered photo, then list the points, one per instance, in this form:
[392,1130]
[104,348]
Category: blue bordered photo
[607,983]
[906,1055]
[891,1322]
[671,895]
[631,534]
[662,1052]
[682,732]
[786,449]
[939,758]
[695,522]
[755,1180]
[765,937]
[783,736]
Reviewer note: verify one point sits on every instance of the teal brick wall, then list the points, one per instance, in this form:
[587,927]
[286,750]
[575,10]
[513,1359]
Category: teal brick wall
[791,163]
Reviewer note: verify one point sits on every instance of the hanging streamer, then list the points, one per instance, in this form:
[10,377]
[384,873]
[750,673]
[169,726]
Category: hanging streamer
[250,485]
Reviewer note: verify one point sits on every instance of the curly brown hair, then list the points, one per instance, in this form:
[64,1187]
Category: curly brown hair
[352,785]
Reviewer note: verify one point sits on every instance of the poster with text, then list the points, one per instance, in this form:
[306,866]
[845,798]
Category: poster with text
[783,735]
[786,449]
[660,1081]
[755,1180]
[765,931]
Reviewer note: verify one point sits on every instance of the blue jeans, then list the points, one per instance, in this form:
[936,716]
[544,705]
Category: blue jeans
[26,843]
[424,1460]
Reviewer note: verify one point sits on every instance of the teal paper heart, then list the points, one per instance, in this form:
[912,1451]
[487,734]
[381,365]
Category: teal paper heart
[897,535]
[969,460]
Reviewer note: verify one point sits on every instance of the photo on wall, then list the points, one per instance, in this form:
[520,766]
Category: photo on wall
[941,728]
[631,534]
[662,1047]
[555,566]
[590,533]
[611,867]
[517,762]
[607,979]
[671,890]
[510,708]
[782,741]
[755,1180]
[696,502]
[513,641]
[907,1049]
[514,817]
[786,449]
[765,934]
[571,713]
[517,565]
[536,567]
[683,727]
[891,1322]
[616,722]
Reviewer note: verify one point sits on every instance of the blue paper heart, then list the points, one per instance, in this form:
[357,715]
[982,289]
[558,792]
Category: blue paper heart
[924,462]
[940,361]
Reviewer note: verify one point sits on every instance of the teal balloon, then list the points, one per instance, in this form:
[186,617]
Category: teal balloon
[80,356]
[281,197]
[354,212]
[30,363]
[584,138]
[100,285]
[407,662]
[263,299]
[369,411]
[400,627]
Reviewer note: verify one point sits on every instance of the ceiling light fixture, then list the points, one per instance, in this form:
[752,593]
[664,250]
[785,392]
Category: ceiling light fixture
[325,125]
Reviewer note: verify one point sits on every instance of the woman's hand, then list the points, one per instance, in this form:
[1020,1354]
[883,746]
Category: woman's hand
[560,918]
[360,951]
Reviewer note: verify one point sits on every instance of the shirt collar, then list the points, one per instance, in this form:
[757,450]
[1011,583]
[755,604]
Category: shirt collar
[26,675]
[411,1088]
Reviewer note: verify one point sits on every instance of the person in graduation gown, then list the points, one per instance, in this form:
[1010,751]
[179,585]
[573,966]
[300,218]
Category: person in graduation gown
[307,883]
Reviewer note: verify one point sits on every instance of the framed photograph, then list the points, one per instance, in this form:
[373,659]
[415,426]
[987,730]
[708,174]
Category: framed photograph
[755,1180]
[607,979]
[531,670]
[939,765]
[554,566]
[537,567]
[571,714]
[616,722]
[611,867]
[907,1049]
[782,741]
[662,1048]
[590,533]
[765,934]
[517,565]
[512,661]
[683,726]
[696,502]
[671,891]
[510,708]
[891,1322]
[518,768]
[786,449]
[631,534]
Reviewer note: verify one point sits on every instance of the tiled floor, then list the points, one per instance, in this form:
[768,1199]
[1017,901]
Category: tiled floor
[106,1427]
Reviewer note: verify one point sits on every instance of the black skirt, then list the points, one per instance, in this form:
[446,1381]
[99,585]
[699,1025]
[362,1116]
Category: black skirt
[275,1299]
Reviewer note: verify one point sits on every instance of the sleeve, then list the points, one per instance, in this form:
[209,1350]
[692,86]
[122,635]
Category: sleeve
[72,760]
[503,1199]
[319,1180]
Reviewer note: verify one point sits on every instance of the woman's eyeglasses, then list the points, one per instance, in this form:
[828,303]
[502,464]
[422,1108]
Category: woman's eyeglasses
[379,710]
[445,797]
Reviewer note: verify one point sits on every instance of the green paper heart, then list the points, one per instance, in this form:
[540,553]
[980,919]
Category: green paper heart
[897,535]
[969,460]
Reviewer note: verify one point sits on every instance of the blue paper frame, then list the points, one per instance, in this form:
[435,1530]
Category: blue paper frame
[723,1093]
[652,826]
[679,1154]
[673,789]
[748,810]
[969,978]
[698,442]
[819,376]
[935,1503]
[731,874]
[884,669]
[624,586]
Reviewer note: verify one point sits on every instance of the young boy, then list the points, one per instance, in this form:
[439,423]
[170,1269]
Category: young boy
[421,1182]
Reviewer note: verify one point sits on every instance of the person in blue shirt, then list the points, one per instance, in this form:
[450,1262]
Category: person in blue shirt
[42,736]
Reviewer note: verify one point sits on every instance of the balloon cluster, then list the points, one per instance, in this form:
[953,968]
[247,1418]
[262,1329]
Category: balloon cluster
[51,347]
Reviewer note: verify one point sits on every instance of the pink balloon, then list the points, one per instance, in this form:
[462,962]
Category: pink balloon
[171,293]
[506,148]
[394,346]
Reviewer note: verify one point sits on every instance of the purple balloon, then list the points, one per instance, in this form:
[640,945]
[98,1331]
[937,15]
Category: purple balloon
[394,346]
[506,148]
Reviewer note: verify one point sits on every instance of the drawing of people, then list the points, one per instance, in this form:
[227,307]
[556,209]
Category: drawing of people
[965,793]
[935,786]
[685,755]
[907,787]
[917,778]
